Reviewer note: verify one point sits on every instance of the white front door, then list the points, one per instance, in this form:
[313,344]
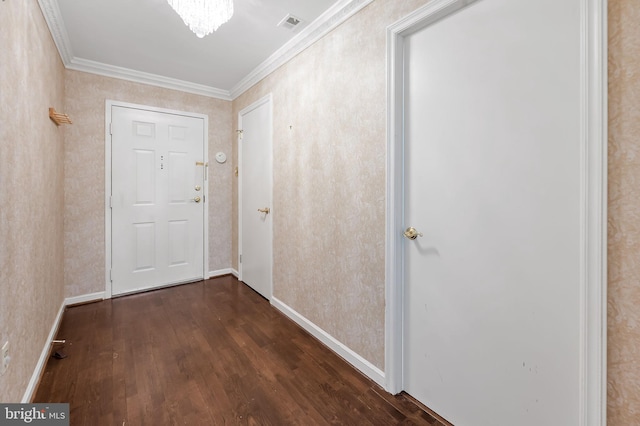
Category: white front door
[492,182]
[255,159]
[157,199]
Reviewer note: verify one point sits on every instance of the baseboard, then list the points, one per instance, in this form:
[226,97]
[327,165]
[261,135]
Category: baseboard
[44,356]
[46,350]
[85,298]
[220,272]
[235,273]
[368,369]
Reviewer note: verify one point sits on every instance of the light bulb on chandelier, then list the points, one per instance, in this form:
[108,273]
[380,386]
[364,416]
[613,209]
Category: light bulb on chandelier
[203,16]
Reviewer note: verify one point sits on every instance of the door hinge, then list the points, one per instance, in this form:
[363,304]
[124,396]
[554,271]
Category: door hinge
[240,258]
[239,132]
[111,275]
[110,201]
[111,128]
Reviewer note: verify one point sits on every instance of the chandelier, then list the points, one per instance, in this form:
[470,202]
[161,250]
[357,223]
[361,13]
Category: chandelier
[203,16]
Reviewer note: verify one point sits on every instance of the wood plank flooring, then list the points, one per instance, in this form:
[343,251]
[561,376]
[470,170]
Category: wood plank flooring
[208,353]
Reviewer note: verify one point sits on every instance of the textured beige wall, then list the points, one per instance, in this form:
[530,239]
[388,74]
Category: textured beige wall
[333,96]
[31,190]
[328,181]
[329,178]
[624,213]
[84,172]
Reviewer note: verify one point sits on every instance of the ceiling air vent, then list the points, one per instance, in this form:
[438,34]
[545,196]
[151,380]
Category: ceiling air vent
[290,22]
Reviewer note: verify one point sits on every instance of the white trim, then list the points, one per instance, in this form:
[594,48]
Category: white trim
[593,262]
[127,74]
[394,278]
[58,30]
[325,23]
[364,366]
[239,179]
[44,356]
[220,273]
[268,99]
[107,199]
[107,194]
[85,298]
[205,190]
[235,273]
[160,286]
[394,294]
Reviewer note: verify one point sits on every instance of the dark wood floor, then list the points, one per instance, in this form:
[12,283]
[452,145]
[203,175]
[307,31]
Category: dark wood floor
[213,352]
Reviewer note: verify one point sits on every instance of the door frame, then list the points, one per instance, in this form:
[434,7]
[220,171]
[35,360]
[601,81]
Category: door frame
[107,180]
[268,99]
[593,214]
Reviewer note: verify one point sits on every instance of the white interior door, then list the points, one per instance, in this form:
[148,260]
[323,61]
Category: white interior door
[492,181]
[157,199]
[255,155]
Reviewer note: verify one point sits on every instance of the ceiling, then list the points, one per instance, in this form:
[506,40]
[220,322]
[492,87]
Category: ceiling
[146,40]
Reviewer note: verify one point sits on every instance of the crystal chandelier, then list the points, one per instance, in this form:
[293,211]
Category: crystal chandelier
[203,16]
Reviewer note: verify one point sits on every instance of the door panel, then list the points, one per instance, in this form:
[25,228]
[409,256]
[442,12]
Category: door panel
[179,188]
[256,193]
[145,176]
[145,244]
[178,242]
[157,228]
[492,181]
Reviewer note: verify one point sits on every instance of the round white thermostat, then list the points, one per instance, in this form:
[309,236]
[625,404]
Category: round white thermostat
[221,157]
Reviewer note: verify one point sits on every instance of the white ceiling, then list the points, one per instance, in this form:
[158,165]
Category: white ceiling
[145,40]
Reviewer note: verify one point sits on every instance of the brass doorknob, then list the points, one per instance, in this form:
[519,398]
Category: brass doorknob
[411,233]
[265,210]
[197,199]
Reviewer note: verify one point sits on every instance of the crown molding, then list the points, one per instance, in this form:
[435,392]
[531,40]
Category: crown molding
[333,17]
[325,23]
[58,31]
[54,20]
[121,73]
